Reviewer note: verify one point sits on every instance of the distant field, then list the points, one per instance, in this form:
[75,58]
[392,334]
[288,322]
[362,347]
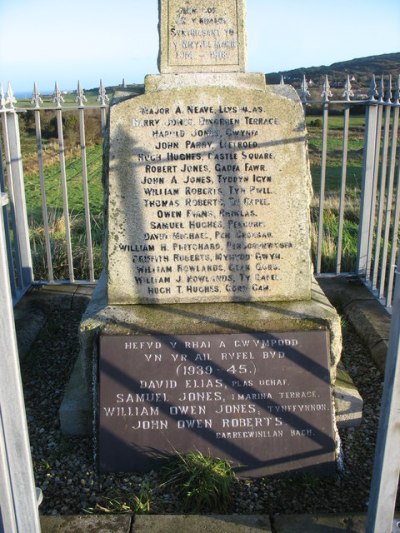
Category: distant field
[77,218]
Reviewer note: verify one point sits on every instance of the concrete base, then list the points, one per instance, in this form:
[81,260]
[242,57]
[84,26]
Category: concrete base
[368,317]
[348,402]
[303,523]
[76,412]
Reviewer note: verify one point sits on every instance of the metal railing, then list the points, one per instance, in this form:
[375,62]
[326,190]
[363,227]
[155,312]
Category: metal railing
[375,264]
[15,218]
[18,498]
[377,187]
[15,214]
[380,198]
[379,201]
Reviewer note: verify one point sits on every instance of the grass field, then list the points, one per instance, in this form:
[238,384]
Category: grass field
[333,180]
[94,160]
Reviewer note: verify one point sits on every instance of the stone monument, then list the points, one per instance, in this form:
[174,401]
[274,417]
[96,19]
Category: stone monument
[207,330]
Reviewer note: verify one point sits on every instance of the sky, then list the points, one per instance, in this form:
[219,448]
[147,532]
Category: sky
[89,40]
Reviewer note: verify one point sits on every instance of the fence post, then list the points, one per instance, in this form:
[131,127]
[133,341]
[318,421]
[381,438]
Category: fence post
[367,187]
[18,501]
[348,93]
[385,476]
[103,99]
[21,217]
[58,99]
[326,94]
[4,212]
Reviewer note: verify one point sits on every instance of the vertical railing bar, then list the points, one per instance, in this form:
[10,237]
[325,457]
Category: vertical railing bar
[102,99]
[367,181]
[45,214]
[13,425]
[393,251]
[385,476]
[58,99]
[378,134]
[103,118]
[343,188]
[10,259]
[81,98]
[396,105]
[10,188]
[21,216]
[348,93]
[325,94]
[7,518]
[389,203]
[382,195]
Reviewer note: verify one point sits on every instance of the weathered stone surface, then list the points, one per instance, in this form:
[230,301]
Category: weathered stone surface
[179,319]
[207,524]
[84,524]
[202,36]
[354,523]
[348,402]
[240,80]
[368,317]
[209,192]
[316,313]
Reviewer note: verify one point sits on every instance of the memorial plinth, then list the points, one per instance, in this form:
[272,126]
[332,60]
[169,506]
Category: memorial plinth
[289,380]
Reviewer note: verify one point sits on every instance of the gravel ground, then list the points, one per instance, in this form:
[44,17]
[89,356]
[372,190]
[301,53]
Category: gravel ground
[64,466]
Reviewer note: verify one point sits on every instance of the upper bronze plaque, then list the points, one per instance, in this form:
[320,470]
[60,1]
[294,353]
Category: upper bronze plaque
[202,36]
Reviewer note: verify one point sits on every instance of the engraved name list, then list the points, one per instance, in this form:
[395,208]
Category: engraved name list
[225,389]
[216,183]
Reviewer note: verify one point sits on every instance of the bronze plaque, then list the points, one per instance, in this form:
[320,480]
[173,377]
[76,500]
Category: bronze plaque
[261,400]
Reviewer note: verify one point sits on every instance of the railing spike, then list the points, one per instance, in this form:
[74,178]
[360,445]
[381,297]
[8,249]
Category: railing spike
[372,92]
[57,96]
[102,98]
[36,100]
[381,91]
[348,93]
[304,92]
[326,90]
[397,92]
[389,91]
[10,100]
[80,96]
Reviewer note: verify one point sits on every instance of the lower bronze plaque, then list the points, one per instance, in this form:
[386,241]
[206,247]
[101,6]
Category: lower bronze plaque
[260,400]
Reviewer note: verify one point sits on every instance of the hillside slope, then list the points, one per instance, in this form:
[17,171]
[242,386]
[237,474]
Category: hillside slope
[361,69]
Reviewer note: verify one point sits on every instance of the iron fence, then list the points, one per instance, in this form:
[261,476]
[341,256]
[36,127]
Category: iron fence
[362,199]
[374,263]
[379,194]
[15,214]
[18,498]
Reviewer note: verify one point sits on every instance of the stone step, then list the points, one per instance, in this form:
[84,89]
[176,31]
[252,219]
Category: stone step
[348,402]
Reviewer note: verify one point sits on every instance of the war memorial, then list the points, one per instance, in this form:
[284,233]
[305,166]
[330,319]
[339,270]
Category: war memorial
[207,330]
